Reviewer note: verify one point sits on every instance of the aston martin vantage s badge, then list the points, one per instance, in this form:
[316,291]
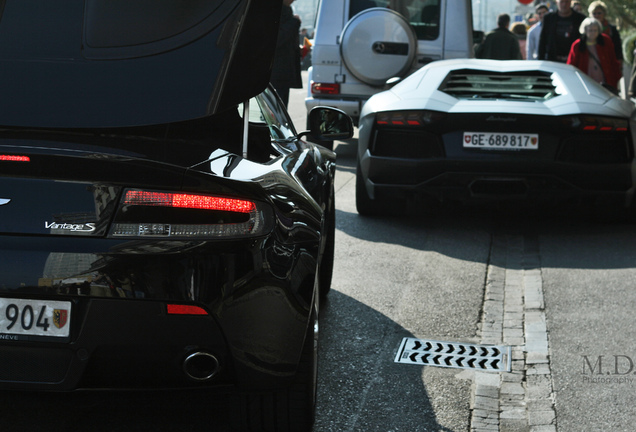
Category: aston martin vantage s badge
[79,227]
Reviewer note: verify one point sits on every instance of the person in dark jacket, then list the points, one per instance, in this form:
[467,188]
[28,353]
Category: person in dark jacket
[500,44]
[286,66]
[559,31]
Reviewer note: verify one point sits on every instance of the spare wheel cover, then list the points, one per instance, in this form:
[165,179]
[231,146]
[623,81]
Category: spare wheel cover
[378,44]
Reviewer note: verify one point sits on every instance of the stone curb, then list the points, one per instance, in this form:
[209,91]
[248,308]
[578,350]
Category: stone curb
[521,400]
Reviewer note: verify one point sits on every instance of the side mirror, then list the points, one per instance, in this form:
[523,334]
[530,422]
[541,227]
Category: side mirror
[328,124]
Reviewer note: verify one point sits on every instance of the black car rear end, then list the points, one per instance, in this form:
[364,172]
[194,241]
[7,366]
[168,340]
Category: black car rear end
[430,154]
[148,275]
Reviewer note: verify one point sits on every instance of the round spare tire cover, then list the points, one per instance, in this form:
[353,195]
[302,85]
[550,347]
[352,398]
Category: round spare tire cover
[378,44]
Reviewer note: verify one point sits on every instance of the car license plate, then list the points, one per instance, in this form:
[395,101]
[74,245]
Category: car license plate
[501,141]
[20,317]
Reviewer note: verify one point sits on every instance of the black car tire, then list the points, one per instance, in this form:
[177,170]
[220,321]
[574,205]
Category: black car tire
[289,410]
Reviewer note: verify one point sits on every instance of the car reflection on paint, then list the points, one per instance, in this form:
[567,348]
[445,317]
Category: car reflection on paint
[164,225]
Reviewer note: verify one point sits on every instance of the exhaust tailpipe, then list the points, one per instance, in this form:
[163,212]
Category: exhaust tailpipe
[200,366]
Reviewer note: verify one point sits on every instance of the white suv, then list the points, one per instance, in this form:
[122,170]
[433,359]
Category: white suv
[360,44]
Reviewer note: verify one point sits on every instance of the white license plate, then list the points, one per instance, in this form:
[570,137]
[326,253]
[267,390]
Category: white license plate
[501,141]
[20,317]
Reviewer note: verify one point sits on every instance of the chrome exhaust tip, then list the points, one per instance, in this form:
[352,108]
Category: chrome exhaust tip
[201,366]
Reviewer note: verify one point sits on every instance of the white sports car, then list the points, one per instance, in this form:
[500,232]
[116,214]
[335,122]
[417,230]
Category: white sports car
[470,130]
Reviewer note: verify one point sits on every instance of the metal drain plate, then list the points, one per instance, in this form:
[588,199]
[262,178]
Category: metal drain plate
[495,358]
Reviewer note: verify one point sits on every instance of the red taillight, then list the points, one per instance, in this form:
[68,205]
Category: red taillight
[14,158]
[408,118]
[325,88]
[596,124]
[158,214]
[178,309]
[189,201]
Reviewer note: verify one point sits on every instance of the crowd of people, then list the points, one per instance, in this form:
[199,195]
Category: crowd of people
[588,41]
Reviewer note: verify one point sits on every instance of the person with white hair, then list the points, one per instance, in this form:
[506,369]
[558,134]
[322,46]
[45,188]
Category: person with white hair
[598,10]
[594,53]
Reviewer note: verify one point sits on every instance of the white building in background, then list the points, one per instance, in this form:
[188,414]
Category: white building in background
[307,10]
[484,12]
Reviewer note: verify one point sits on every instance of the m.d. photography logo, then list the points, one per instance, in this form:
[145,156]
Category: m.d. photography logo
[614,369]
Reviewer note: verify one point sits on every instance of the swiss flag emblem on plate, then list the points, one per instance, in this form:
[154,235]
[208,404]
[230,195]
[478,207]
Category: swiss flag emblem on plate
[60,317]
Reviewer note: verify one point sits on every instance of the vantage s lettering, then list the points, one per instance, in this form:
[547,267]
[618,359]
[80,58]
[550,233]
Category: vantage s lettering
[87,227]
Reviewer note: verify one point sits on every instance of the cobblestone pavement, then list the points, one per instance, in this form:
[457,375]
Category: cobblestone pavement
[521,400]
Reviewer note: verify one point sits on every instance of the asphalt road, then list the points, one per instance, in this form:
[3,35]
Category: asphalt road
[425,277]
[422,277]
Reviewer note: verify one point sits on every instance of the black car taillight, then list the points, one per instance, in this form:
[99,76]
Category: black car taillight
[585,123]
[14,158]
[145,213]
[595,140]
[413,134]
[409,119]
[181,309]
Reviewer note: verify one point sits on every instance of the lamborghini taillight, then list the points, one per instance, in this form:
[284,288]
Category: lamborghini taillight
[588,124]
[408,119]
[147,213]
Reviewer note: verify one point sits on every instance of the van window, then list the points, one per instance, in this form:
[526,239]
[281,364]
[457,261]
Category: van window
[422,14]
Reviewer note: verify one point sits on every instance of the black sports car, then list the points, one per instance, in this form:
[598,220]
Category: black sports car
[162,223]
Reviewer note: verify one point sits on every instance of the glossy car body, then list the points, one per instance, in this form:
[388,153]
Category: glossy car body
[163,225]
[475,130]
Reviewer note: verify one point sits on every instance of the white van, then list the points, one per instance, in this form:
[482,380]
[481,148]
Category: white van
[360,44]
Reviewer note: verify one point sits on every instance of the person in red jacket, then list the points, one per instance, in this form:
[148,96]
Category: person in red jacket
[594,54]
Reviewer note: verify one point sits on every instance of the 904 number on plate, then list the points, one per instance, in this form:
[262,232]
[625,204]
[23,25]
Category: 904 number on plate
[34,317]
